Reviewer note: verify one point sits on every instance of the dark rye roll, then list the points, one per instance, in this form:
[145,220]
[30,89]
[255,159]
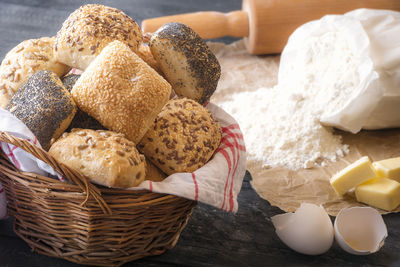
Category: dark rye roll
[81,119]
[89,29]
[44,105]
[69,81]
[183,137]
[186,61]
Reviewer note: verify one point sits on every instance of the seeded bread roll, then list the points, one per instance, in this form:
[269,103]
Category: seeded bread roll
[121,91]
[106,158]
[145,54]
[186,61]
[69,80]
[183,137]
[153,173]
[89,29]
[81,119]
[23,61]
[44,105]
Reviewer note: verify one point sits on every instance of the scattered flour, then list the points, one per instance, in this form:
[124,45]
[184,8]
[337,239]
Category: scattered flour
[281,123]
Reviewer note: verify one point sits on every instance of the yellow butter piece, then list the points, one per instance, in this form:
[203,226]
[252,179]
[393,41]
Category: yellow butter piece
[379,192]
[353,175]
[389,168]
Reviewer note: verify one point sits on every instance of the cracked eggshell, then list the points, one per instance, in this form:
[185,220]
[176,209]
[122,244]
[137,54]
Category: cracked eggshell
[360,230]
[308,231]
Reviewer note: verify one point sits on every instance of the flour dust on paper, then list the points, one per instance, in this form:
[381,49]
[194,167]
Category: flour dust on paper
[281,121]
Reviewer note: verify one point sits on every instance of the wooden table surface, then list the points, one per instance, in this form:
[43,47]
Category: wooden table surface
[212,237]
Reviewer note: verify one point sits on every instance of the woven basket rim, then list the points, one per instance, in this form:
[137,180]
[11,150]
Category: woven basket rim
[74,177]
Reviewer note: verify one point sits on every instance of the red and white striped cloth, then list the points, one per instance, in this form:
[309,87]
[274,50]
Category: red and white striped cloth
[217,183]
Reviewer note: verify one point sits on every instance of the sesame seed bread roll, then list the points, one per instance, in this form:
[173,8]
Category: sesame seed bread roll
[183,137]
[106,158]
[121,91]
[89,29]
[24,60]
[186,61]
[44,105]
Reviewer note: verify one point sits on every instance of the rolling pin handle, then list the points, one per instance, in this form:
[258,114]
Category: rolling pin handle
[238,24]
[208,25]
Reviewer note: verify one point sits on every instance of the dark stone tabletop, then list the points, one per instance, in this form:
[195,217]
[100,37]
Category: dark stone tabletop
[212,237]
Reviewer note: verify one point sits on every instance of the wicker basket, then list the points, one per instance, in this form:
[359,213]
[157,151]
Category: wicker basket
[86,224]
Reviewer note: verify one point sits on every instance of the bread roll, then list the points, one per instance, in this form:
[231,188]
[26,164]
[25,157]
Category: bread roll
[24,60]
[84,121]
[145,54]
[121,91]
[105,157]
[81,119]
[153,173]
[89,29]
[186,61]
[69,80]
[44,105]
[183,137]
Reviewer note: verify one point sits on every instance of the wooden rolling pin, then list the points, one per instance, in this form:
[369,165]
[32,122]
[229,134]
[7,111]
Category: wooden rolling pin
[265,24]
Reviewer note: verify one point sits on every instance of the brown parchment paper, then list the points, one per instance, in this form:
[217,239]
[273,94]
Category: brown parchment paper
[287,189]
[282,187]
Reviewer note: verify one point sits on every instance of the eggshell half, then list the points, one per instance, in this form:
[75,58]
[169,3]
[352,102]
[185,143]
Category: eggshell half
[308,231]
[360,230]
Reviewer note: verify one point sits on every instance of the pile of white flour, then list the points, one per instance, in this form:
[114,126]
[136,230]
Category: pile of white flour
[281,122]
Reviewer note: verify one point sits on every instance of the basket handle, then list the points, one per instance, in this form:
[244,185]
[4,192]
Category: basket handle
[73,175]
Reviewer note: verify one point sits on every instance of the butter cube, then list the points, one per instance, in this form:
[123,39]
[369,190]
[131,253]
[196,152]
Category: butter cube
[379,192]
[389,168]
[353,175]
